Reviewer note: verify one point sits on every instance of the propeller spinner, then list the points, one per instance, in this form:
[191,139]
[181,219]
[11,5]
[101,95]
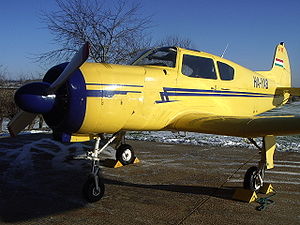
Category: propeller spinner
[39,97]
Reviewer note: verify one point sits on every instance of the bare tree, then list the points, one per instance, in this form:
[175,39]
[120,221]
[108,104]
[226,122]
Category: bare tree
[175,40]
[115,31]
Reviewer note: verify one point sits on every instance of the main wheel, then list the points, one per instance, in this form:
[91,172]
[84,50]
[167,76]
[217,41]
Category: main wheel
[90,193]
[125,154]
[252,179]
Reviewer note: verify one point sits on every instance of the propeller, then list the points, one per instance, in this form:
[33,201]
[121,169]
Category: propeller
[39,97]
[81,56]
[19,122]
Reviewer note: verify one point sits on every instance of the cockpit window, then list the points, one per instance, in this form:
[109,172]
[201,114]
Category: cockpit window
[158,57]
[226,71]
[198,67]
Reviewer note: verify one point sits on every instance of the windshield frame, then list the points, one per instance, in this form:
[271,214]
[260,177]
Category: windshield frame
[147,53]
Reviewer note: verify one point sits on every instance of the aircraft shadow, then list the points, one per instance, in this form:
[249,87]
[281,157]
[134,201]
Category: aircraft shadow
[24,203]
[37,180]
[37,198]
[223,192]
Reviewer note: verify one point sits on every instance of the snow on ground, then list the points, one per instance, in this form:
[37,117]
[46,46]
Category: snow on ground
[290,143]
[19,160]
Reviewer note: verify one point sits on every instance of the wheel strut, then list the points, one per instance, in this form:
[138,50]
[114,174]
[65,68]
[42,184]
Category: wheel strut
[93,189]
[254,177]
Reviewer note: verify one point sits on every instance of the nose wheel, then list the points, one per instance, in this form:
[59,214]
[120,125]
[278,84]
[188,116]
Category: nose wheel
[93,189]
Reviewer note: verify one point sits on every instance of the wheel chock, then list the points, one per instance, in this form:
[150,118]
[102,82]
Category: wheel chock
[267,189]
[112,163]
[136,160]
[244,195]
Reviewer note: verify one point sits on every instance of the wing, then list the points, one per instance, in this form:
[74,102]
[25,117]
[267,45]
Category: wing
[237,126]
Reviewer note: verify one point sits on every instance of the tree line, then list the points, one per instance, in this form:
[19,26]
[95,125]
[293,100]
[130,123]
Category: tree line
[8,88]
[8,107]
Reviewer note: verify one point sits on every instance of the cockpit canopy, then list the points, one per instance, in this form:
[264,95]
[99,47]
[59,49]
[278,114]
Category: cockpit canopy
[165,56]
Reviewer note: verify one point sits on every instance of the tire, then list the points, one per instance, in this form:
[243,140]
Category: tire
[89,190]
[125,154]
[251,179]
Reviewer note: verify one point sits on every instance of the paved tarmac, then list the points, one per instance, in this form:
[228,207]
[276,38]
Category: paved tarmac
[173,184]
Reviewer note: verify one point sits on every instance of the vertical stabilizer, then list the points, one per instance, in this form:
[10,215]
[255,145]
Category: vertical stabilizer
[281,71]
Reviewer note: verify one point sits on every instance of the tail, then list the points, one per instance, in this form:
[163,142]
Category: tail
[281,71]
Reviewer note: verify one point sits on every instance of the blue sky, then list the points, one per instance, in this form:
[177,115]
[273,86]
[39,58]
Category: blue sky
[251,28]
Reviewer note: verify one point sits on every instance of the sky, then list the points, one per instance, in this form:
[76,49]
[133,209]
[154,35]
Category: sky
[251,29]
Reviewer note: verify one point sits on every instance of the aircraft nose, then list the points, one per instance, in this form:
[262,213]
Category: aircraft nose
[33,98]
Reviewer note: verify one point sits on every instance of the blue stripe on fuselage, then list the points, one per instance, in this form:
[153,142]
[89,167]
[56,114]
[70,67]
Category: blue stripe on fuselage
[168,92]
[214,91]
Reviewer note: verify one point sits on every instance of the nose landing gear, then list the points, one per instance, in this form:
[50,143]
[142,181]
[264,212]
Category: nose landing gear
[93,189]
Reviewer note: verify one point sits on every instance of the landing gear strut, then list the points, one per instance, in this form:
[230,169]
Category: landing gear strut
[254,177]
[93,189]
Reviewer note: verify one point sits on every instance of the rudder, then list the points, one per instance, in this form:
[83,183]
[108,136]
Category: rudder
[281,71]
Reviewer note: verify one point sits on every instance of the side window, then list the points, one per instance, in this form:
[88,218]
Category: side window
[226,71]
[199,67]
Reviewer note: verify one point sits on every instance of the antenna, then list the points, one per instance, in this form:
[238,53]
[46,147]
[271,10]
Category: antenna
[224,50]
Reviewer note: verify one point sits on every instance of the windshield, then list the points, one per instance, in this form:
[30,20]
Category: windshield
[158,57]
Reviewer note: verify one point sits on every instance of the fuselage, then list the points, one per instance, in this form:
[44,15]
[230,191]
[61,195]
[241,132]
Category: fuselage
[148,97]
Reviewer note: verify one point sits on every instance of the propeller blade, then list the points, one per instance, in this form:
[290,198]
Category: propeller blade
[19,122]
[80,57]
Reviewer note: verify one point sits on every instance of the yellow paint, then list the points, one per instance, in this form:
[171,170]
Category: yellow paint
[136,160]
[150,97]
[81,137]
[111,163]
[268,151]
[118,164]
[267,189]
[108,115]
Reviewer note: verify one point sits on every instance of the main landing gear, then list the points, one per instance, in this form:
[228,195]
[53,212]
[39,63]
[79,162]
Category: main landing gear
[254,177]
[93,189]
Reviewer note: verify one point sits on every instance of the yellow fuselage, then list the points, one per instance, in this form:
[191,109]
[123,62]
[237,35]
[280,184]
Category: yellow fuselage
[122,97]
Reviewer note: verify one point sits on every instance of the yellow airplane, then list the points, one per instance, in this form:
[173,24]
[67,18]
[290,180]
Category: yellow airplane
[167,88]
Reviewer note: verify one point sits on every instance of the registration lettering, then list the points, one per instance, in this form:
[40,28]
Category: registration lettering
[260,82]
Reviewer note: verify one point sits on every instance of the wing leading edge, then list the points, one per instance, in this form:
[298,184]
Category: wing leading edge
[249,127]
